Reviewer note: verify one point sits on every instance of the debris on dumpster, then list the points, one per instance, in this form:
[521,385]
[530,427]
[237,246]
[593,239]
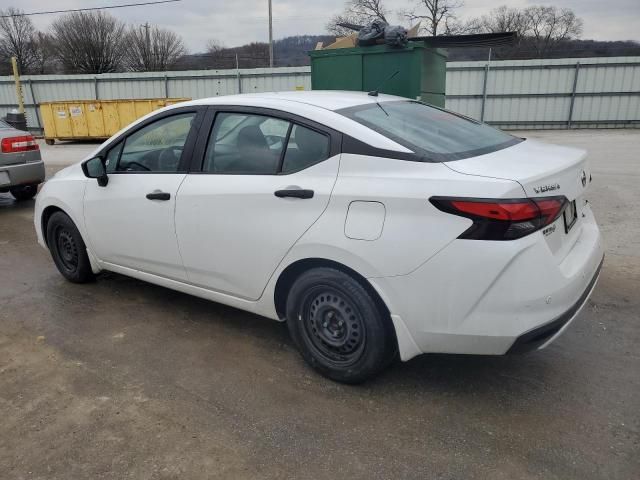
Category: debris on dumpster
[395,36]
[372,33]
[379,32]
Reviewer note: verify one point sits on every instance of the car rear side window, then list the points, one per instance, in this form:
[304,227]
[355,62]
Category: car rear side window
[246,143]
[433,133]
[306,147]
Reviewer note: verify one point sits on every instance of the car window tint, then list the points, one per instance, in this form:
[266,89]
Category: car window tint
[111,159]
[438,134]
[158,146]
[305,148]
[244,143]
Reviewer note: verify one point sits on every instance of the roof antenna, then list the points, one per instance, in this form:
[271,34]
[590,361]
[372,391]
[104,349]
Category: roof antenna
[374,93]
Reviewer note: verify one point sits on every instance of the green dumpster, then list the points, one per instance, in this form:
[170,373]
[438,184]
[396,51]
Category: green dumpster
[422,70]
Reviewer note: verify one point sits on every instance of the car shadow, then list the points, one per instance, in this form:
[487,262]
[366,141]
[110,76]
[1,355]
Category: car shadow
[8,202]
[438,374]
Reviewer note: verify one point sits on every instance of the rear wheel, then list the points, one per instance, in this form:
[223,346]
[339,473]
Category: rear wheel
[24,192]
[68,249]
[338,326]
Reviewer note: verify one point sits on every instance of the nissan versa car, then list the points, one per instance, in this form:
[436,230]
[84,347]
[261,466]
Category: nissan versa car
[21,167]
[375,226]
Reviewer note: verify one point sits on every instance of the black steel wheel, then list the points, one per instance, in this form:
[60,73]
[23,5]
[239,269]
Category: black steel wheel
[339,327]
[68,249]
[333,325]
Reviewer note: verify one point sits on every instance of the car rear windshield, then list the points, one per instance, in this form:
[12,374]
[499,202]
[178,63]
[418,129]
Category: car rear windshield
[434,134]
[3,124]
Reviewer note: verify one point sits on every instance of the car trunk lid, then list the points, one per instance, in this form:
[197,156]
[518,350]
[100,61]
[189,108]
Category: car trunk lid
[543,170]
[9,158]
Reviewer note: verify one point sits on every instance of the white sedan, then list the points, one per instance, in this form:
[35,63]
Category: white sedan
[376,226]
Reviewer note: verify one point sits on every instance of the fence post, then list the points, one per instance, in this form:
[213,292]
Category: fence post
[166,86]
[573,94]
[35,103]
[238,74]
[484,87]
[95,87]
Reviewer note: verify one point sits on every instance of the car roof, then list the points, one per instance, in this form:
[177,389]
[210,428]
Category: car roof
[321,106]
[326,99]
[317,105]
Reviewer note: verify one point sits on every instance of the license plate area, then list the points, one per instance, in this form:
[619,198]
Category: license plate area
[570,216]
[4,178]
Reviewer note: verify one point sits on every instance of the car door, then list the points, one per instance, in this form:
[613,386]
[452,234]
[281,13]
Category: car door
[261,181]
[130,221]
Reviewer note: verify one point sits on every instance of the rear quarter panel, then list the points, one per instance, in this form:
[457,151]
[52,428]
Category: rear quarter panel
[414,230]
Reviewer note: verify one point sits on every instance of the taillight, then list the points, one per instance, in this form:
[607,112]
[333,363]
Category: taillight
[502,219]
[23,143]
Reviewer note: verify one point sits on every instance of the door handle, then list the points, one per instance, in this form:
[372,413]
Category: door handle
[294,193]
[157,195]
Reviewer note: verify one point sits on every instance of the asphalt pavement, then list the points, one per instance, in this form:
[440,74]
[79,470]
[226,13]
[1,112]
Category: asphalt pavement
[122,379]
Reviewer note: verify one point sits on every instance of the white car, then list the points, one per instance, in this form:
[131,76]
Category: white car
[376,226]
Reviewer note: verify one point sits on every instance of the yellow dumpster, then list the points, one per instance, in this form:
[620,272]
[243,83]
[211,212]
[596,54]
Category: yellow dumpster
[94,119]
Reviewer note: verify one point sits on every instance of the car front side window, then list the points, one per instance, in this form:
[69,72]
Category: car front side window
[156,147]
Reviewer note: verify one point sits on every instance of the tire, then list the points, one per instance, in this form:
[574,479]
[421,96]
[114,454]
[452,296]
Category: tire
[338,326]
[50,141]
[68,249]
[24,192]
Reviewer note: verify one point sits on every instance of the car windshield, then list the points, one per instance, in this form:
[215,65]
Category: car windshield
[433,133]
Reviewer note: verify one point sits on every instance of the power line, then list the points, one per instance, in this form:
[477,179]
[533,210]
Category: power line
[92,8]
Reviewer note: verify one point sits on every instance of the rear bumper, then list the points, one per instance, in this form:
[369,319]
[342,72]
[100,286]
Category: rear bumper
[22,174]
[490,298]
[542,336]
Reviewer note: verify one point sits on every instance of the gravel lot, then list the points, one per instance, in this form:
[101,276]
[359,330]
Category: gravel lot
[122,379]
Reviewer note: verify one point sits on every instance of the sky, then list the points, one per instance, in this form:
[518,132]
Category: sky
[237,22]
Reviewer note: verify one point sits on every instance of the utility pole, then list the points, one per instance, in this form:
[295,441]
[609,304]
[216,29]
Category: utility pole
[16,78]
[147,45]
[270,37]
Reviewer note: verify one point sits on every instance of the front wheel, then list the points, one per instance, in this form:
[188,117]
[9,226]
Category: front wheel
[68,249]
[339,328]
[24,192]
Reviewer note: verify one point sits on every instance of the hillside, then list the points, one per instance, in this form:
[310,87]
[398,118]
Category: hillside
[292,51]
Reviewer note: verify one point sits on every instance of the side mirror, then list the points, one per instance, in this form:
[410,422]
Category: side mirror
[94,168]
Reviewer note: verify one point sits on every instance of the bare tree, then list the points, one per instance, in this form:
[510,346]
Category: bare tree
[214,46]
[540,29]
[152,49]
[217,55]
[18,38]
[549,26]
[436,16]
[358,12]
[45,54]
[89,42]
[501,19]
